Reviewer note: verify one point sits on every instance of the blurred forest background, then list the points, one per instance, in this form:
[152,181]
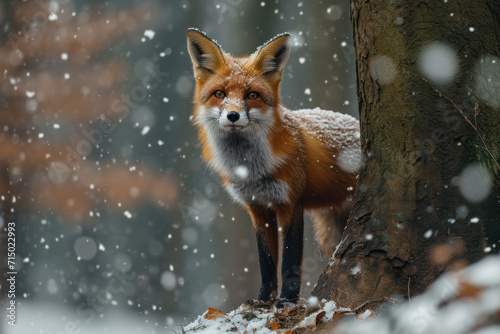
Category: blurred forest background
[119,226]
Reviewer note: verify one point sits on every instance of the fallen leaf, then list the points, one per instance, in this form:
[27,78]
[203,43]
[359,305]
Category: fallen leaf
[466,289]
[292,311]
[312,321]
[273,325]
[339,315]
[319,316]
[443,253]
[213,314]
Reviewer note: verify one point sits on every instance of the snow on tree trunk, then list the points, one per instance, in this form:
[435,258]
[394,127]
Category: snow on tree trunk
[428,195]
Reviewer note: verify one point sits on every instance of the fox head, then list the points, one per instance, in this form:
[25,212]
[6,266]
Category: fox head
[236,93]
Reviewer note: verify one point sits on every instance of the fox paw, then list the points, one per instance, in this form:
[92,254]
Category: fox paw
[284,302]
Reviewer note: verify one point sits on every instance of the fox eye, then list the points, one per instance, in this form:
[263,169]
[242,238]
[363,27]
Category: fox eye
[252,95]
[219,94]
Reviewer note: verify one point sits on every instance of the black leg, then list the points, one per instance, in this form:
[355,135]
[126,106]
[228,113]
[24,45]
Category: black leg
[293,240]
[266,231]
[269,285]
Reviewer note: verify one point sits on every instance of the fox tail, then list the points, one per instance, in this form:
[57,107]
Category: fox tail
[329,224]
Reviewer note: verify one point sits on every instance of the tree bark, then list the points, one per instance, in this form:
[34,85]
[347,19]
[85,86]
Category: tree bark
[428,194]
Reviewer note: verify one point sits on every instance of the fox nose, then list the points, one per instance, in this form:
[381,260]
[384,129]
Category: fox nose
[233,116]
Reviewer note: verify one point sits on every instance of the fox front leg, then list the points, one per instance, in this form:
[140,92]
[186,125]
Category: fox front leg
[293,240]
[266,230]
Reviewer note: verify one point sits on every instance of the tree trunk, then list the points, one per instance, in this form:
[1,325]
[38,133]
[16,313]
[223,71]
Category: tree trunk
[428,195]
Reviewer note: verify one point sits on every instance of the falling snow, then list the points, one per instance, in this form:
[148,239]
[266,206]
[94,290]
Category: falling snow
[438,62]
[120,227]
[149,33]
[241,171]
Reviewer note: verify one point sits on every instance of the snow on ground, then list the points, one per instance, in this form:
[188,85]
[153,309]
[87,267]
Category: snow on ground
[52,318]
[461,302]
[457,303]
[263,318]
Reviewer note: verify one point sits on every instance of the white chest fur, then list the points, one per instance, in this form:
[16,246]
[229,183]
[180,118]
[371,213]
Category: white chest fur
[247,160]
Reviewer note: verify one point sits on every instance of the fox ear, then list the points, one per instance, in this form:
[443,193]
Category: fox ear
[272,56]
[205,53]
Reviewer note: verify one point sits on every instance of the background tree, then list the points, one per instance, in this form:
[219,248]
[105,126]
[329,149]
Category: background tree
[59,81]
[428,195]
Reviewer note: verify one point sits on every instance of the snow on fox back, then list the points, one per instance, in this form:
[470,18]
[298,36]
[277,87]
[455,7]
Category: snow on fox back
[333,129]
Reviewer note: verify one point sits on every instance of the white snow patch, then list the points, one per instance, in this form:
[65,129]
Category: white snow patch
[149,33]
[241,171]
[383,70]
[428,234]
[30,94]
[350,159]
[438,63]
[365,314]
[238,320]
[333,129]
[474,183]
[356,269]
[312,301]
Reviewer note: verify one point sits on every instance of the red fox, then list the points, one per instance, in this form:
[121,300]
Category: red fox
[273,161]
